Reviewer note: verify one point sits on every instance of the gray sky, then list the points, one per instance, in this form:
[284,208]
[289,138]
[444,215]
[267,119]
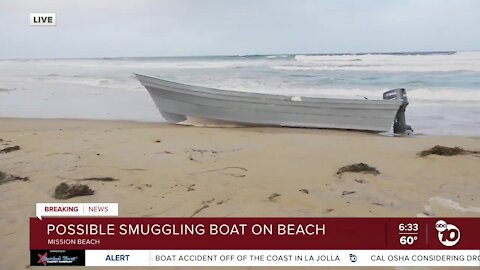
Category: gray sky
[109,28]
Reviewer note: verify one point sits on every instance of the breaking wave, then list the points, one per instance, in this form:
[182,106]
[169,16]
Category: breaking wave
[464,61]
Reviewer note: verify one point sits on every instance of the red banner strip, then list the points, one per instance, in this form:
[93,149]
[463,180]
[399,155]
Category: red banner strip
[254,233]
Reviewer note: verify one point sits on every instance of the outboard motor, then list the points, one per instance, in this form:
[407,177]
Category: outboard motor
[399,125]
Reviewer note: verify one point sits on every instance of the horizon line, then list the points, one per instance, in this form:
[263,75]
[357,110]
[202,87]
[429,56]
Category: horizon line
[246,55]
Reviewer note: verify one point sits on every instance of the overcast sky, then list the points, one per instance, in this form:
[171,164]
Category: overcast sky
[109,28]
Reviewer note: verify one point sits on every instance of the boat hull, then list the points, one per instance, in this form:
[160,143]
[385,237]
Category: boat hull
[178,103]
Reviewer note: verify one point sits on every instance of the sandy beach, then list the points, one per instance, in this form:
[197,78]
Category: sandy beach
[176,171]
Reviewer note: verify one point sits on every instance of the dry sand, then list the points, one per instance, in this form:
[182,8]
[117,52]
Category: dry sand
[173,171]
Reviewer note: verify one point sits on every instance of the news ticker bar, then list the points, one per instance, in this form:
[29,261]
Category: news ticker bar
[258,258]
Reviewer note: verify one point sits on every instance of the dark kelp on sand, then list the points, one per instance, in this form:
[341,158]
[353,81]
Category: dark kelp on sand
[303,190]
[100,179]
[273,196]
[9,149]
[358,168]
[65,191]
[345,193]
[446,151]
[5,178]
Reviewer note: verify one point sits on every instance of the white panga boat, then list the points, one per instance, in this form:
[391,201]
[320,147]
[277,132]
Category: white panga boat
[181,103]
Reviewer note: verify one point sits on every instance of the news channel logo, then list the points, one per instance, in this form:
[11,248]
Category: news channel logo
[448,234]
[57,257]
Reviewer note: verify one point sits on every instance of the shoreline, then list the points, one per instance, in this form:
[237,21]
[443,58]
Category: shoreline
[163,123]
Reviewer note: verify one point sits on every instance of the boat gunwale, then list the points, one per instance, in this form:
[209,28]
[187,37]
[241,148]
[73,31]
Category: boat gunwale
[305,100]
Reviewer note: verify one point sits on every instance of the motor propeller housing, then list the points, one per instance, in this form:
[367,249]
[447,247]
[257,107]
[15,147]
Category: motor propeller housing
[399,124]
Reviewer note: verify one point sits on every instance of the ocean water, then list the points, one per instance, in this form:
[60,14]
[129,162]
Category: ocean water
[443,87]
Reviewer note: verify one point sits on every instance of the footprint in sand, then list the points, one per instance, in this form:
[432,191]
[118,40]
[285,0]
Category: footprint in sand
[231,171]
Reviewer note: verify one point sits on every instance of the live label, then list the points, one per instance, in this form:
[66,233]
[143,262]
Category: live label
[43,19]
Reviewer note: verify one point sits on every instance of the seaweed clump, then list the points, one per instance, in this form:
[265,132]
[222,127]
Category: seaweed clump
[358,168]
[65,191]
[445,151]
[9,149]
[273,196]
[101,179]
[5,178]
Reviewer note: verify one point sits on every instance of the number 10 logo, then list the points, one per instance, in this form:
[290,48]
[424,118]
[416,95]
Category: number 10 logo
[448,234]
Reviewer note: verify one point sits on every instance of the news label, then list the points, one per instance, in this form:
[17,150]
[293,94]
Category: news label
[43,19]
[75,209]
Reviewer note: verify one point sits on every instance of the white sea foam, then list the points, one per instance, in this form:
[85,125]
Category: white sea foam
[464,96]
[131,65]
[464,61]
[448,203]
[444,206]
[445,95]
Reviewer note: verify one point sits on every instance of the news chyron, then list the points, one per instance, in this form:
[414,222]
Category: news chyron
[242,241]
